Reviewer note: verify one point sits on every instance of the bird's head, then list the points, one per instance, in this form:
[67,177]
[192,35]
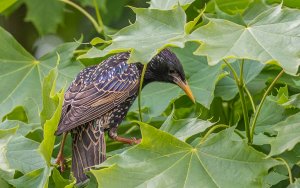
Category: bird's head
[166,67]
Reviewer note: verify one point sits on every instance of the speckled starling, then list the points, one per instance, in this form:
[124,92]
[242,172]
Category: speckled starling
[99,99]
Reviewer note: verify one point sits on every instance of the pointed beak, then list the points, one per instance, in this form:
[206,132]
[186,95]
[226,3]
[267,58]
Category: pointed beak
[186,88]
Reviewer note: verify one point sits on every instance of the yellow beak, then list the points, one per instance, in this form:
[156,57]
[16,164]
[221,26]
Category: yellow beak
[186,88]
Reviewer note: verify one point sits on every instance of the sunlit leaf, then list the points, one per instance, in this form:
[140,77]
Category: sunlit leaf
[153,30]
[262,39]
[288,3]
[229,6]
[4,4]
[50,126]
[161,160]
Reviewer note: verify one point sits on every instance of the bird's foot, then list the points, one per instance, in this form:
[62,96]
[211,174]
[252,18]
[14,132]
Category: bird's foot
[60,160]
[130,141]
[136,141]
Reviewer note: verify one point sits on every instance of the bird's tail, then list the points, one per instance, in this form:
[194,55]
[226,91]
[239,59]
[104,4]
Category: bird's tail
[88,149]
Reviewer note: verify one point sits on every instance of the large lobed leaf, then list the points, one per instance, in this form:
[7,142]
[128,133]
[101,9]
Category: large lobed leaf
[153,30]
[22,75]
[262,39]
[161,160]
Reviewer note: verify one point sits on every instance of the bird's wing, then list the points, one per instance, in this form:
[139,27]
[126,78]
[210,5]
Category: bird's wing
[84,103]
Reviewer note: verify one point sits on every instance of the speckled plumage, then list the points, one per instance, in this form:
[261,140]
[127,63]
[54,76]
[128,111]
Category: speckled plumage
[99,99]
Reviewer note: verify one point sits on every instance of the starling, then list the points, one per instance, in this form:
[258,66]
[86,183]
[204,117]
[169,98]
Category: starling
[99,99]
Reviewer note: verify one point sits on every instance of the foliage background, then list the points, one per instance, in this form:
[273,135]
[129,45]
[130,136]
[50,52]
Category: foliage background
[44,44]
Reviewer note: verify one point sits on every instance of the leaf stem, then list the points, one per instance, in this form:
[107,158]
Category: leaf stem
[242,72]
[288,168]
[262,102]
[99,18]
[212,130]
[240,84]
[79,51]
[140,91]
[250,98]
[87,15]
[232,70]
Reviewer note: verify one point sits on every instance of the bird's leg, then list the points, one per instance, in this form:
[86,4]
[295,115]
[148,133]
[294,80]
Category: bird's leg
[112,133]
[60,156]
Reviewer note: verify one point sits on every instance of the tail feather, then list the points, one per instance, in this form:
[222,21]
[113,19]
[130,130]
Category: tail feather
[88,147]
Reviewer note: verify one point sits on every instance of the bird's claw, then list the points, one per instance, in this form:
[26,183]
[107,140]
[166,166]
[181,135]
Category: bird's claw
[135,141]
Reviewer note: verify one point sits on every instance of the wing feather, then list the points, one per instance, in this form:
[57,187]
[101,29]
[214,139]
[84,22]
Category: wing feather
[85,102]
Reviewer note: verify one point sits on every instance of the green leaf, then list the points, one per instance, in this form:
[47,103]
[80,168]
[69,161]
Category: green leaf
[45,16]
[22,155]
[36,178]
[4,184]
[60,182]
[296,184]
[227,89]
[282,95]
[153,30]
[169,4]
[288,135]
[50,126]
[273,178]
[49,100]
[4,4]
[23,128]
[184,128]
[22,75]
[288,3]
[229,6]
[6,172]
[293,101]
[255,8]
[270,114]
[161,160]
[98,40]
[262,39]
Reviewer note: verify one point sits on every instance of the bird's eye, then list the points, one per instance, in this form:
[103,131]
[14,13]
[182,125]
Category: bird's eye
[171,71]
